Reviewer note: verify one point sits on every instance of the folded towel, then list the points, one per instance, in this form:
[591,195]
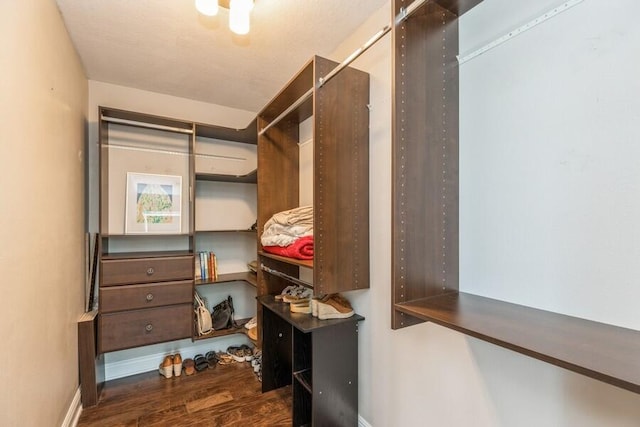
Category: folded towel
[302,248]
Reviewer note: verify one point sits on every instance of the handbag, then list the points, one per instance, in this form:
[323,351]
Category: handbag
[222,315]
[203,317]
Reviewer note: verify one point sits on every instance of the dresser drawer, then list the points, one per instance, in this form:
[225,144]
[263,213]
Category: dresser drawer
[131,297]
[145,270]
[143,327]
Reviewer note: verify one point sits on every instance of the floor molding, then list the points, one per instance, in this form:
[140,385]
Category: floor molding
[149,362]
[74,411]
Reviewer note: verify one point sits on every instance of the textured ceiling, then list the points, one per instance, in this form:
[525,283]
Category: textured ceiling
[165,46]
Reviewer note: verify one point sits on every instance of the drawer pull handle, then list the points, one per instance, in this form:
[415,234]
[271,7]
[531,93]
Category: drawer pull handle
[149,297]
[150,271]
[149,327]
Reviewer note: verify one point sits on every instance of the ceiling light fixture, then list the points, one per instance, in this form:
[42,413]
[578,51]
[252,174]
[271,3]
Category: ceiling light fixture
[239,12]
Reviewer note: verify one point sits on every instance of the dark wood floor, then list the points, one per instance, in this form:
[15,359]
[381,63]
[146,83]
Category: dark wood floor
[225,396]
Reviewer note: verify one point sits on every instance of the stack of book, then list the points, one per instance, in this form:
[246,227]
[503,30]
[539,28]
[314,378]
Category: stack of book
[206,266]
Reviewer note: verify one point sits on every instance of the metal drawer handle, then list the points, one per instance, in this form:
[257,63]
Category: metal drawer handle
[149,297]
[149,327]
[150,271]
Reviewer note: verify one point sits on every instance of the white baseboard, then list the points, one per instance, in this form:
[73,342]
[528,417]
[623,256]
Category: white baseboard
[74,411]
[362,422]
[150,361]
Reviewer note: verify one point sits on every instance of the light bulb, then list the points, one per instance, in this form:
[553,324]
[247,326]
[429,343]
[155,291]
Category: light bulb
[207,7]
[240,16]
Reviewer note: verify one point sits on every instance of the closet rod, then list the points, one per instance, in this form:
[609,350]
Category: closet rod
[146,125]
[405,12]
[285,276]
[354,55]
[292,107]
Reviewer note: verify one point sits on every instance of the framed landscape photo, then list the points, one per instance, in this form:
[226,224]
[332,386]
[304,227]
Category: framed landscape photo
[153,204]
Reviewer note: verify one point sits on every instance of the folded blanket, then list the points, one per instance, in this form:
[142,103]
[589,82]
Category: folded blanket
[284,235]
[285,227]
[302,248]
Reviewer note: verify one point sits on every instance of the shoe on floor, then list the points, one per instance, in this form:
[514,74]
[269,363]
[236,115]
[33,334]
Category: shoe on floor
[177,364]
[166,367]
[334,306]
[189,367]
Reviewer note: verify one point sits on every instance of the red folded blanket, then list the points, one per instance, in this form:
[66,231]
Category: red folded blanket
[299,249]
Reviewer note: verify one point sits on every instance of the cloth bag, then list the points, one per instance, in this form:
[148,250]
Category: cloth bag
[222,315]
[203,317]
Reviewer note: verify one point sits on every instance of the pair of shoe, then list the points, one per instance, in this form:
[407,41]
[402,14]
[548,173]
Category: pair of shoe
[171,366]
[332,306]
[294,293]
[241,354]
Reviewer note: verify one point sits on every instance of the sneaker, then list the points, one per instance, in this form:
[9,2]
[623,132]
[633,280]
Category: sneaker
[237,353]
[334,306]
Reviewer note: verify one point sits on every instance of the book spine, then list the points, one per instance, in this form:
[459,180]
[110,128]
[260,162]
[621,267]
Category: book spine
[215,267]
[198,271]
[211,270]
[203,266]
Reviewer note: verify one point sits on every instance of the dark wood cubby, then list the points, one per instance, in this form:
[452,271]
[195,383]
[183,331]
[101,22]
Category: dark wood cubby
[425,218]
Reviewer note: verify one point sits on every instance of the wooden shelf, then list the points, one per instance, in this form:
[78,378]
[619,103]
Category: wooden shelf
[301,321]
[607,353]
[299,262]
[224,332]
[246,276]
[250,178]
[155,254]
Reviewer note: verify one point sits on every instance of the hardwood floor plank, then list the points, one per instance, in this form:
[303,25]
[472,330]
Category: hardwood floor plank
[228,395]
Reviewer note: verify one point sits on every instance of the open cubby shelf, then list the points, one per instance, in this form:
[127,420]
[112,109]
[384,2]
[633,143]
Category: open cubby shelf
[250,178]
[240,329]
[244,276]
[604,352]
[425,233]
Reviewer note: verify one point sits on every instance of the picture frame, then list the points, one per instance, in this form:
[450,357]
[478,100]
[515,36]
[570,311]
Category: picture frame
[153,204]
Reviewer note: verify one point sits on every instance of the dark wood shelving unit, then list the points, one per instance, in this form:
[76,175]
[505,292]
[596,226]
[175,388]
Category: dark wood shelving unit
[320,359]
[227,231]
[340,127]
[425,232]
[243,276]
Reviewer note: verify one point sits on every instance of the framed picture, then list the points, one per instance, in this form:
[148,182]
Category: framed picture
[153,204]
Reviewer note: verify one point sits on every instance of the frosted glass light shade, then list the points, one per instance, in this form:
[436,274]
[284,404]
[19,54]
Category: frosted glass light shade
[207,7]
[240,16]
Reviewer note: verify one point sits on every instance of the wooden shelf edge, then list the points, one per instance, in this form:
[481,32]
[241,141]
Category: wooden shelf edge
[243,276]
[604,352]
[249,178]
[293,261]
[240,329]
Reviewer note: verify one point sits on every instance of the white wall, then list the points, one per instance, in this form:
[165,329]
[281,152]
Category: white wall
[42,116]
[548,122]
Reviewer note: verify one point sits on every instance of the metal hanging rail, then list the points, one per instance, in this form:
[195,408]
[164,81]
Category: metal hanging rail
[146,125]
[285,276]
[404,14]
[292,107]
[323,80]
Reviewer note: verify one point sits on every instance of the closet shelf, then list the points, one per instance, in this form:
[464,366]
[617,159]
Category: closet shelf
[604,352]
[303,322]
[250,178]
[227,231]
[245,276]
[240,329]
[299,262]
